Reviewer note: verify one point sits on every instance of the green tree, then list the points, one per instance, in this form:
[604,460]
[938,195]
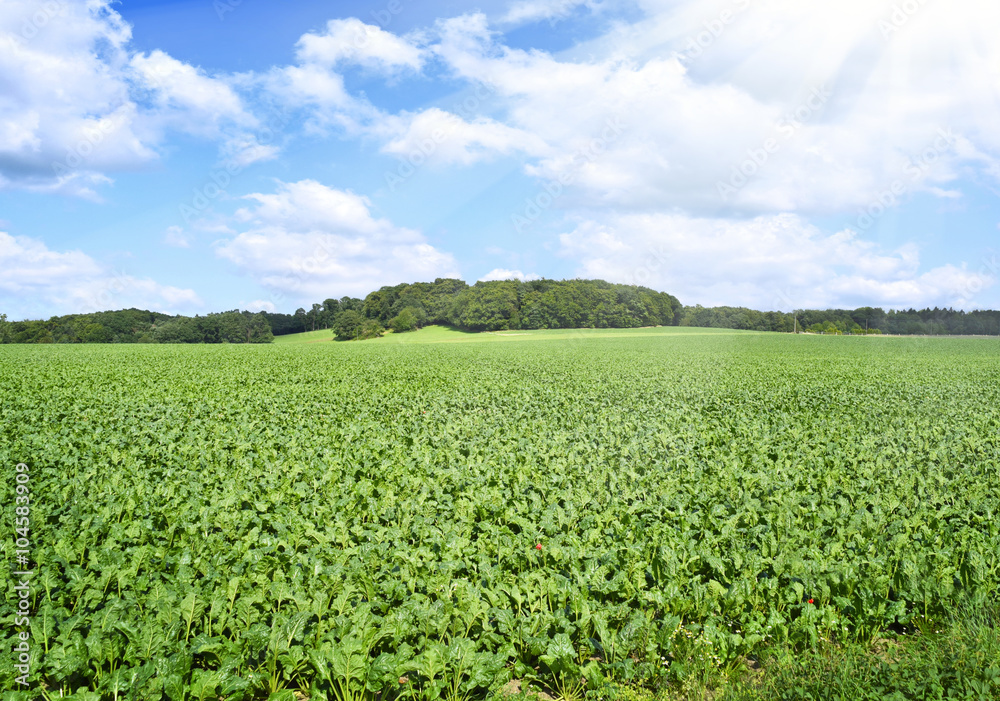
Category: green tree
[331,308]
[4,329]
[259,330]
[231,327]
[347,325]
[314,315]
[95,333]
[179,330]
[488,306]
[405,321]
[370,328]
[378,304]
[349,303]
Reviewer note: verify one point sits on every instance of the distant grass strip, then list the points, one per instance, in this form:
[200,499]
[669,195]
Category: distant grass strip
[447,334]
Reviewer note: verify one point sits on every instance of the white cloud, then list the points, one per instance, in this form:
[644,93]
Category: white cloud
[770,262]
[242,150]
[502,274]
[797,109]
[37,280]
[352,41]
[319,90]
[177,237]
[67,116]
[533,10]
[78,105]
[184,98]
[259,305]
[185,94]
[309,85]
[28,264]
[838,111]
[316,83]
[308,241]
[437,136]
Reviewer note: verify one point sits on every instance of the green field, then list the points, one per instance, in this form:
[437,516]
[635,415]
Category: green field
[433,515]
[444,334]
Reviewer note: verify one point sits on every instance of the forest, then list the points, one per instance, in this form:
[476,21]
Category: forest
[139,326]
[552,304]
[910,322]
[486,306]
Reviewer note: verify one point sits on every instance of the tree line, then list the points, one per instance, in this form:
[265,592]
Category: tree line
[872,320]
[486,306]
[553,304]
[139,326]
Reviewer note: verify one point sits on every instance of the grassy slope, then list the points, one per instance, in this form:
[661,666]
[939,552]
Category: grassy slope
[308,337]
[445,334]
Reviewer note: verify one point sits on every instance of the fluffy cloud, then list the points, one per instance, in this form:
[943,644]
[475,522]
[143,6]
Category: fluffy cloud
[312,86]
[185,93]
[183,98]
[308,242]
[753,108]
[177,237]
[66,113]
[534,10]
[78,105]
[769,262]
[259,305]
[502,274]
[442,137]
[316,82]
[351,41]
[37,280]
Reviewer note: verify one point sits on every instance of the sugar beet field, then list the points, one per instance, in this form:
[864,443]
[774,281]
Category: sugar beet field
[563,512]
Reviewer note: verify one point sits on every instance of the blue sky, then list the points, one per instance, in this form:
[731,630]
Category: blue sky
[204,155]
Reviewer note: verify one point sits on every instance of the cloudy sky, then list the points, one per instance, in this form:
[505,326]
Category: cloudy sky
[192,156]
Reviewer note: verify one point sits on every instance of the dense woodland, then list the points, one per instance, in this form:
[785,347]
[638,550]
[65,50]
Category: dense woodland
[924,322]
[485,306]
[139,326]
[550,304]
